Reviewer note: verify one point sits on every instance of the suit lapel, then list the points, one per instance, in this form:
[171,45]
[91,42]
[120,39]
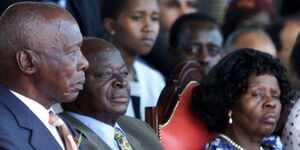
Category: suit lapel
[131,139]
[27,120]
[86,132]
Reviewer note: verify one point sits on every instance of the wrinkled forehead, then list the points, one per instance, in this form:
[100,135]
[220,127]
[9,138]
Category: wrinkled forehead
[108,57]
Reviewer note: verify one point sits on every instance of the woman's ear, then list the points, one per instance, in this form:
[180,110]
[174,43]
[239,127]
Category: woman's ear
[109,26]
[25,60]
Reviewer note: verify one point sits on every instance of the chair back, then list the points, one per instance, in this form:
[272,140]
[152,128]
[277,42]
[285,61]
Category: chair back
[171,119]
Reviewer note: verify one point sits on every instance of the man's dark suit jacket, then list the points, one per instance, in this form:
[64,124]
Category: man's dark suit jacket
[20,128]
[138,133]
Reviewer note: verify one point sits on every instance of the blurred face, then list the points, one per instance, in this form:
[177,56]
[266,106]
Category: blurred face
[107,84]
[200,41]
[137,26]
[60,65]
[261,19]
[256,41]
[170,10]
[258,110]
[288,37]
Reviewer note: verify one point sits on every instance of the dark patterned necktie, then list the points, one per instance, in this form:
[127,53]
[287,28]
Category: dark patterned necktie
[121,140]
[63,131]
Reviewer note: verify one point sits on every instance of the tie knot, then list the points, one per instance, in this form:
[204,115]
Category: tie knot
[55,120]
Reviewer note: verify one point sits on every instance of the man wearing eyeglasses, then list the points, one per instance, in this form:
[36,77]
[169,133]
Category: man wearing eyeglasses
[196,36]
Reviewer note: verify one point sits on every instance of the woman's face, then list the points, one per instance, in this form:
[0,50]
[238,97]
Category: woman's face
[137,26]
[258,110]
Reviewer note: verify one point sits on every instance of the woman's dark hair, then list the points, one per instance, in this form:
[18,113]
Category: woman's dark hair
[112,8]
[228,80]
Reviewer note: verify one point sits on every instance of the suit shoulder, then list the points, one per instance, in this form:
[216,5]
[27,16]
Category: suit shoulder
[5,113]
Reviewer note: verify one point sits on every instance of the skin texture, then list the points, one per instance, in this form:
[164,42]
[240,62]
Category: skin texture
[46,63]
[256,41]
[200,41]
[170,10]
[106,92]
[136,29]
[257,112]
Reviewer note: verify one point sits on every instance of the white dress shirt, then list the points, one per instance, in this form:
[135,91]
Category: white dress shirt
[103,130]
[147,89]
[42,113]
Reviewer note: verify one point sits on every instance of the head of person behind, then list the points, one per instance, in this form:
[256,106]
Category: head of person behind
[242,13]
[170,10]
[196,36]
[133,26]
[40,53]
[250,37]
[241,98]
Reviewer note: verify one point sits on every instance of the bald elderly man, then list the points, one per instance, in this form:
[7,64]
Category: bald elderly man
[98,112]
[41,64]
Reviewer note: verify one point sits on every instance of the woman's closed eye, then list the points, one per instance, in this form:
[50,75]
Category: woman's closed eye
[257,94]
[275,96]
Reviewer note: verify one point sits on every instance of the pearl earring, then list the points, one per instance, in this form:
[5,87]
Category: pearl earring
[113,32]
[230,117]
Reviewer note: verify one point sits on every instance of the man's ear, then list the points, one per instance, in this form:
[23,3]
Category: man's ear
[109,26]
[25,60]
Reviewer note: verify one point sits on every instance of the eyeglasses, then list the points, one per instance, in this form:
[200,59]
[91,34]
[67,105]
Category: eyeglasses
[196,49]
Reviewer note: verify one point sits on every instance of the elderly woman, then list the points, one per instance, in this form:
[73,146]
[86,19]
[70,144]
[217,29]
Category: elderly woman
[241,98]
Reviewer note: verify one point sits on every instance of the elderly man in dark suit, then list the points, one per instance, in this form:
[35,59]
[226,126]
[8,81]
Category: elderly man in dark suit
[98,112]
[41,64]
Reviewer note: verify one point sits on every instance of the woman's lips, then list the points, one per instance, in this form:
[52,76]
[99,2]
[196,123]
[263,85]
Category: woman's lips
[148,41]
[269,118]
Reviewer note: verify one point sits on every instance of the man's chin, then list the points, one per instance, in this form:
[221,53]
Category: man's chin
[69,97]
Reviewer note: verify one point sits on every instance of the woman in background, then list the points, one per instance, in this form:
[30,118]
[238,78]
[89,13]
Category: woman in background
[241,99]
[133,26]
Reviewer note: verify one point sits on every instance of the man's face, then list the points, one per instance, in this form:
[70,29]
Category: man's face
[107,84]
[61,65]
[200,41]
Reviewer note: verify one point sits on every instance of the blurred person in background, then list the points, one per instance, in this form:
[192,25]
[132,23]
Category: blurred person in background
[197,37]
[250,37]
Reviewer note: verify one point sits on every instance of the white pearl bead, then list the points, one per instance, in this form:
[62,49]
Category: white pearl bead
[239,147]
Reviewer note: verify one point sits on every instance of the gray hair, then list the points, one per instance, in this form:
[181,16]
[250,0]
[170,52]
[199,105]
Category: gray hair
[234,36]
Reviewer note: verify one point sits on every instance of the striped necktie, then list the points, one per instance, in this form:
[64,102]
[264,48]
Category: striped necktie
[63,131]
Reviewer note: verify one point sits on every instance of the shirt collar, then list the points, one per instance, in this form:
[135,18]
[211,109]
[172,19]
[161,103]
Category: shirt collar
[39,110]
[103,130]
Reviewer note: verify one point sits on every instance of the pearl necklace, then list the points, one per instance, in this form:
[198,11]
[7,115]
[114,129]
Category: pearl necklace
[239,147]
